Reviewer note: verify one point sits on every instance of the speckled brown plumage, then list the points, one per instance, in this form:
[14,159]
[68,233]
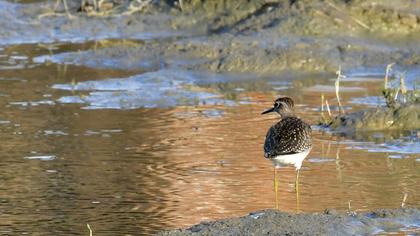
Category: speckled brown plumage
[289,136]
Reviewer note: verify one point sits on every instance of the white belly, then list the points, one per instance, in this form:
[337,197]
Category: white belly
[291,159]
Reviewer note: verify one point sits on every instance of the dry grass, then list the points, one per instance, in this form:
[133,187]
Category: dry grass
[90,230]
[344,14]
[349,210]
[328,108]
[404,200]
[325,120]
[137,6]
[54,12]
[387,72]
[337,89]
[398,94]
[98,8]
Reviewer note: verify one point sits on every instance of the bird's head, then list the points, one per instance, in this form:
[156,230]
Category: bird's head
[283,106]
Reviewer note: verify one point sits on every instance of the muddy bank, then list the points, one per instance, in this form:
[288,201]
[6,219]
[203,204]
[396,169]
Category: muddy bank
[272,222]
[42,22]
[398,108]
[225,36]
[305,17]
[262,53]
[405,117]
[301,17]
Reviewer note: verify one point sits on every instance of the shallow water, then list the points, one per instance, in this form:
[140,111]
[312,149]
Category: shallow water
[146,164]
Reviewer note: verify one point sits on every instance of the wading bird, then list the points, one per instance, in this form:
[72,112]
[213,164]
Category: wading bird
[288,142]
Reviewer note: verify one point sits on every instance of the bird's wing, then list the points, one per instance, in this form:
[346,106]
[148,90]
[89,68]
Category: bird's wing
[290,135]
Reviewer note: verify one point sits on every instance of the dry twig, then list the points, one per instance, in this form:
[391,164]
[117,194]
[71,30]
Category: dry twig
[387,72]
[337,89]
[90,230]
[328,108]
[404,199]
[140,7]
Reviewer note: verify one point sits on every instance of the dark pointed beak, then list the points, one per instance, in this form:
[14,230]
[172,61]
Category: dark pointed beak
[268,111]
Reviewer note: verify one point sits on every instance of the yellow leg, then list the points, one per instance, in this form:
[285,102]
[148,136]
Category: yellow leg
[297,191]
[276,187]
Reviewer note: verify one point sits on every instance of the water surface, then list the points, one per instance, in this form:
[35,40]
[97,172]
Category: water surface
[143,168]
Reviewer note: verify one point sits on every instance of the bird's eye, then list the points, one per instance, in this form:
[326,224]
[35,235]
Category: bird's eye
[275,104]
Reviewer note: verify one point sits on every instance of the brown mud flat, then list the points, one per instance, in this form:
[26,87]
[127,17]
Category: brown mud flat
[272,222]
[381,118]
[227,36]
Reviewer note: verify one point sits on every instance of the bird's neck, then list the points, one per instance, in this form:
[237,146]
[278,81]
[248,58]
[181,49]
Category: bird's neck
[286,114]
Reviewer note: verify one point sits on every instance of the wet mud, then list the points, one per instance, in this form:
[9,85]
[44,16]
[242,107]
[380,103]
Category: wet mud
[405,117]
[272,222]
[224,36]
